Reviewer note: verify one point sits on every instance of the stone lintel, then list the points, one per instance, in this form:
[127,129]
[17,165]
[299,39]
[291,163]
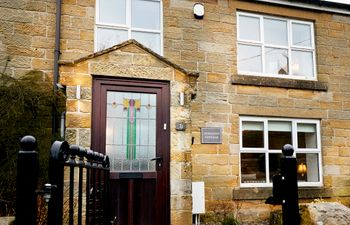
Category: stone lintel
[279,82]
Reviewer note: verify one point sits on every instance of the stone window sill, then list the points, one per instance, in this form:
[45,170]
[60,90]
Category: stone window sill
[264,193]
[279,82]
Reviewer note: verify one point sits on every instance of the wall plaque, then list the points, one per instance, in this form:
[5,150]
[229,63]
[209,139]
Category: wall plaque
[180,126]
[211,135]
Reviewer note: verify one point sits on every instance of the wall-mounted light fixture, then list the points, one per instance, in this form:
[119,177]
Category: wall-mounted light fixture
[182,98]
[78,92]
[198,10]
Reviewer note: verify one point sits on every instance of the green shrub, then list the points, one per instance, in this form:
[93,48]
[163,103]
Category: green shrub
[25,109]
[230,219]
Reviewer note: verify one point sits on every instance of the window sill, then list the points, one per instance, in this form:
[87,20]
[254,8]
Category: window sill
[279,82]
[264,193]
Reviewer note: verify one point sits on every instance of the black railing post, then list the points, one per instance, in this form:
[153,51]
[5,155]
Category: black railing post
[89,158]
[74,150]
[58,155]
[27,181]
[81,163]
[290,205]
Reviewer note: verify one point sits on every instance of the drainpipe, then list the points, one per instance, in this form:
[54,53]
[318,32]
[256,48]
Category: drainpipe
[56,58]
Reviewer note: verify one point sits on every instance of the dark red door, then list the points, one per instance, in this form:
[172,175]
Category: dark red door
[130,123]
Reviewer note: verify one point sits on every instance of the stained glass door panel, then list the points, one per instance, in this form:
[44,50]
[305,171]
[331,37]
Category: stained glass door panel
[131,131]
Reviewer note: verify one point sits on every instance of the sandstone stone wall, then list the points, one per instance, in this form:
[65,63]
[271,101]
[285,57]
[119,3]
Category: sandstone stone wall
[27,33]
[209,46]
[206,46]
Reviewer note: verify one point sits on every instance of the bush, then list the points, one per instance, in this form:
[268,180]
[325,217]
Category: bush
[25,108]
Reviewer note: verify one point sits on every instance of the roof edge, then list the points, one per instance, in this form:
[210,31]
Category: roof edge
[123,44]
[316,5]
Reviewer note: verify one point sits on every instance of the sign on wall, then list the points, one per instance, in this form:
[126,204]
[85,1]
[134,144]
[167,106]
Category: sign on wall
[211,135]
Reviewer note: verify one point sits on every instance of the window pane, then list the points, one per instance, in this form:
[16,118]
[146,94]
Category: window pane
[150,40]
[308,167]
[280,133]
[145,14]
[276,61]
[108,37]
[301,34]
[249,58]
[253,168]
[130,133]
[253,134]
[274,164]
[112,11]
[307,136]
[249,28]
[302,63]
[275,32]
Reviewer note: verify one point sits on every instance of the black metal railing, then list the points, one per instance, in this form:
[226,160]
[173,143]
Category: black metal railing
[78,188]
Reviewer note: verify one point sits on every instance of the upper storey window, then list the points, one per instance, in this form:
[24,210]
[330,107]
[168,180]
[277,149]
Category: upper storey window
[276,47]
[120,20]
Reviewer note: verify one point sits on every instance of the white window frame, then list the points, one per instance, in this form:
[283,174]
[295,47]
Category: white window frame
[127,27]
[266,150]
[290,46]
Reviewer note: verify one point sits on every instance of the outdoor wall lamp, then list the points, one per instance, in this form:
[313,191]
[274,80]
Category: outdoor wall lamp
[182,98]
[198,10]
[78,92]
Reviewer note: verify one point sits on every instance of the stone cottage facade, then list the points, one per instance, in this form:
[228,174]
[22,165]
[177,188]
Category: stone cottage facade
[263,72]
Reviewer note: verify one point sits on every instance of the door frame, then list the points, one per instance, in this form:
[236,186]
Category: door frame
[99,85]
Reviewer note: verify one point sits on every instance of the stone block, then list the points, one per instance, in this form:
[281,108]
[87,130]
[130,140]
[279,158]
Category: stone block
[73,10]
[35,6]
[217,77]
[181,217]
[210,159]
[331,170]
[330,213]
[71,105]
[213,47]
[220,181]
[219,170]
[218,108]
[14,15]
[198,169]
[84,138]
[203,149]
[71,136]
[248,90]
[180,187]
[42,64]
[181,202]
[192,56]
[222,194]
[78,120]
[84,106]
[84,80]
[23,51]
[147,60]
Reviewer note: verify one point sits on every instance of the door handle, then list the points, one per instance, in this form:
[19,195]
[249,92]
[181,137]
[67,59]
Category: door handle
[159,161]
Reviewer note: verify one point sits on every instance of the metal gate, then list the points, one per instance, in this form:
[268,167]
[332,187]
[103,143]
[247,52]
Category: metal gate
[78,188]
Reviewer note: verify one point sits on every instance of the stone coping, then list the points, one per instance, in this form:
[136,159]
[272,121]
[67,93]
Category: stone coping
[279,82]
[264,193]
[123,44]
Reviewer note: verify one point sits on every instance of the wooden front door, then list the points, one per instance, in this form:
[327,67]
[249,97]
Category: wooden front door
[130,123]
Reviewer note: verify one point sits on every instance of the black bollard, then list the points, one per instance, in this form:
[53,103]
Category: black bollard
[27,181]
[285,188]
[290,205]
